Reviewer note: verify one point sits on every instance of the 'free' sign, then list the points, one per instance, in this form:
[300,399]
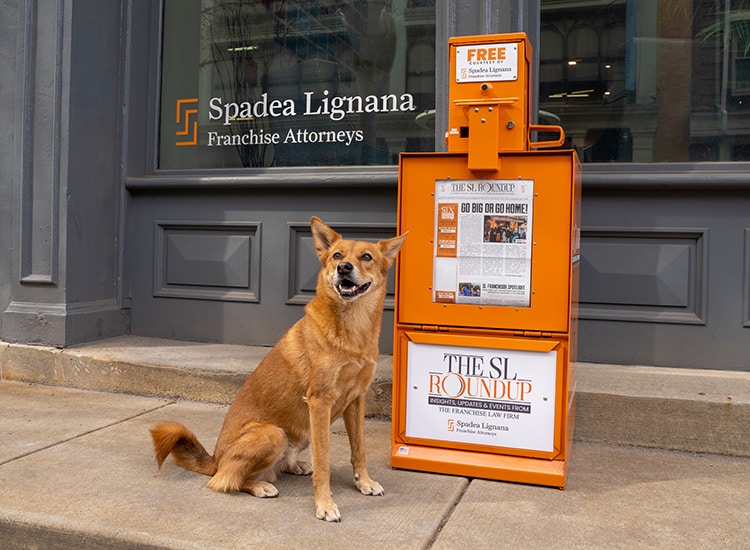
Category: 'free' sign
[487,62]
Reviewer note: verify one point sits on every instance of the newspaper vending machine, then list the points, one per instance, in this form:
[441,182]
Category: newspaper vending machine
[486,283]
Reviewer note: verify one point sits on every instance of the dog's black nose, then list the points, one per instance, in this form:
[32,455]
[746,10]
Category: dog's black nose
[344,268]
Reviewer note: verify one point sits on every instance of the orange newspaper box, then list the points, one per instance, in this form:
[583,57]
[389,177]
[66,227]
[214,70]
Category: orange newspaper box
[486,284]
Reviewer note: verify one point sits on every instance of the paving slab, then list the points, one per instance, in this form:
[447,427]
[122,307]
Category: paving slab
[616,497]
[98,486]
[35,417]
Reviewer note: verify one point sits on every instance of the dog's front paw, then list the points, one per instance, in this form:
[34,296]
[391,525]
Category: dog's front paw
[327,511]
[368,486]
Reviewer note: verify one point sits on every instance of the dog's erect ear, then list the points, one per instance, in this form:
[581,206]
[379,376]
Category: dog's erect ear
[390,247]
[323,236]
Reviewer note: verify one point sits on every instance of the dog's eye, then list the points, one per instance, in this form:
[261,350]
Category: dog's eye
[337,255]
[366,257]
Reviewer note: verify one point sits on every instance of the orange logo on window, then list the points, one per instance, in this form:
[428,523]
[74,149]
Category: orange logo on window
[186,108]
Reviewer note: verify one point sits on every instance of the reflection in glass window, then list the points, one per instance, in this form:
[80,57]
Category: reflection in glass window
[259,83]
[657,81]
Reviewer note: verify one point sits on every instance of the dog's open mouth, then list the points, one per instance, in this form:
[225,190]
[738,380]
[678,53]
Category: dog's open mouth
[348,289]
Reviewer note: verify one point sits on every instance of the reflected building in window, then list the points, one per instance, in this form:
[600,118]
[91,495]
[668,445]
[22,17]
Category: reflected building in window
[648,81]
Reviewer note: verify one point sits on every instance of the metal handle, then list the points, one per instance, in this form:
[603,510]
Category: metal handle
[544,128]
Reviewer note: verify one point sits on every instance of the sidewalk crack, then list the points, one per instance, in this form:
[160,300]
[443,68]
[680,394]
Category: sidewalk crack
[447,516]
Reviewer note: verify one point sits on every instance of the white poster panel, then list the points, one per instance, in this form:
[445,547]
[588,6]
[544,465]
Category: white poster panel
[483,396]
[487,62]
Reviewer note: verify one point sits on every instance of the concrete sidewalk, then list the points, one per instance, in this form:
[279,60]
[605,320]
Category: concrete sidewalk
[76,471]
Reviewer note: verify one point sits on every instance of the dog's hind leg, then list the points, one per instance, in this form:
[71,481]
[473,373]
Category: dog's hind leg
[255,448]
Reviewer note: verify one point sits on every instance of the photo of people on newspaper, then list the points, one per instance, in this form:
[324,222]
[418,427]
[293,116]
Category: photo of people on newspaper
[503,229]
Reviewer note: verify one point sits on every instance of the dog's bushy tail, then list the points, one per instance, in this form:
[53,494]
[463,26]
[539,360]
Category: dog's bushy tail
[187,451]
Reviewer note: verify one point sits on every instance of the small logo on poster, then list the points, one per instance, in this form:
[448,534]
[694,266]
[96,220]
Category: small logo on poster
[186,109]
[451,425]
[447,212]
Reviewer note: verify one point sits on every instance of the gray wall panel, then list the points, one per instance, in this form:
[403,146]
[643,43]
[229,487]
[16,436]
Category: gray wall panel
[639,274]
[39,129]
[208,260]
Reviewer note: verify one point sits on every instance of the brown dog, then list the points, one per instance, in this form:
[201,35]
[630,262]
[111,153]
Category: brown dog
[318,371]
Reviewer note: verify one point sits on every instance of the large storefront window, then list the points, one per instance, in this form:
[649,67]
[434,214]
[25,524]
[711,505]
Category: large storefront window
[258,83]
[648,81]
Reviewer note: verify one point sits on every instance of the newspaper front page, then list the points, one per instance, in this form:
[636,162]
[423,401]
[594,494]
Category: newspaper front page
[483,242]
